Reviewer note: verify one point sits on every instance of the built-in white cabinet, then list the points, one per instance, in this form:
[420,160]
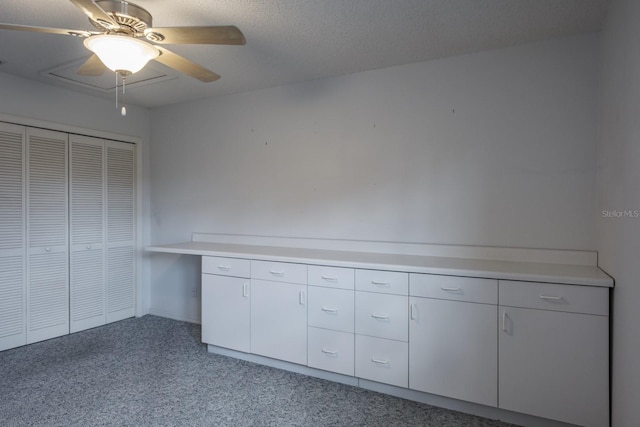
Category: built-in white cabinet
[553,352]
[534,348]
[453,342]
[67,233]
[226,304]
[279,311]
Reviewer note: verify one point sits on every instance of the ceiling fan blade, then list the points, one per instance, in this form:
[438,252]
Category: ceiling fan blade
[92,67]
[196,35]
[185,66]
[77,33]
[95,12]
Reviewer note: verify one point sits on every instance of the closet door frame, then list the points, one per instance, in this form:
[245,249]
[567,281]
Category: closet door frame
[142,277]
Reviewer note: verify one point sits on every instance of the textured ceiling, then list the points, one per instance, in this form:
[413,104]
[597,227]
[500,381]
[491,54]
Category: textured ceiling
[296,40]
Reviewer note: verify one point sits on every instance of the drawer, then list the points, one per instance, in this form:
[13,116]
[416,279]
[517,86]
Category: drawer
[279,271]
[551,296]
[331,277]
[454,288]
[383,316]
[381,360]
[331,308]
[331,351]
[235,267]
[387,282]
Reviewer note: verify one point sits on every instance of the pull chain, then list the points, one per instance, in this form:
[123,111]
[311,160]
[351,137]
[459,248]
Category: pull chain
[123,112]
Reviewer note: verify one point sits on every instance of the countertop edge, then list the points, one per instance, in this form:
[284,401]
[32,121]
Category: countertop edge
[500,270]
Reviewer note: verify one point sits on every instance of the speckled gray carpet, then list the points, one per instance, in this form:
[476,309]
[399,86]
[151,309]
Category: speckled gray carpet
[153,371]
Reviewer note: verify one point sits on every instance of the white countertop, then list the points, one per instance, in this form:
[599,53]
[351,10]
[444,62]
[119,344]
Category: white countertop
[505,270]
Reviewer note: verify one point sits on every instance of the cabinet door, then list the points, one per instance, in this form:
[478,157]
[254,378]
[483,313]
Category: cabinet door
[47,235]
[226,312]
[121,230]
[86,216]
[453,349]
[12,236]
[279,320]
[554,365]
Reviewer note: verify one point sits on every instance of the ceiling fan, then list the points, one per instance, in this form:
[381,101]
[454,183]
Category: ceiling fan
[126,41]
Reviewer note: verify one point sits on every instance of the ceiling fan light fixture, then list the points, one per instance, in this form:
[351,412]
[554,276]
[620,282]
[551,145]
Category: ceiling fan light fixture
[120,53]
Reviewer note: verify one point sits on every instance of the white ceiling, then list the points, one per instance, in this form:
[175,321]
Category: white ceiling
[296,40]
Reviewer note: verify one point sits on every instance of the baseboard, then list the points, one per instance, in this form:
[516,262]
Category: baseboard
[173,316]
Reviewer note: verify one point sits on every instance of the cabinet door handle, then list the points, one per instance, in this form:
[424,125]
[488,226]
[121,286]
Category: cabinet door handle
[329,278]
[379,361]
[47,249]
[277,273]
[329,310]
[548,298]
[413,311]
[302,296]
[88,246]
[224,267]
[245,290]
[504,321]
[377,283]
[380,316]
[457,290]
[330,352]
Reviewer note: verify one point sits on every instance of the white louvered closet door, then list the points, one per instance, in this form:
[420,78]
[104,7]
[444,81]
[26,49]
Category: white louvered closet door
[12,237]
[121,232]
[47,235]
[87,231]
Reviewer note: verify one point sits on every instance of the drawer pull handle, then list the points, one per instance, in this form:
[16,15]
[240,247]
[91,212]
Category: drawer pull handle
[380,361]
[245,290]
[456,290]
[548,298]
[224,267]
[329,310]
[329,278]
[277,273]
[302,297]
[88,246]
[47,249]
[377,283]
[380,316]
[330,352]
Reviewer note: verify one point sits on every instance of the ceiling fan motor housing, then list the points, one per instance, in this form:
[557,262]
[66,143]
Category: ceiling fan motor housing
[133,19]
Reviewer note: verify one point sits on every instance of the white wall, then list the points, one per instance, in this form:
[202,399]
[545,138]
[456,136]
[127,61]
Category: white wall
[31,100]
[619,190]
[495,149]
